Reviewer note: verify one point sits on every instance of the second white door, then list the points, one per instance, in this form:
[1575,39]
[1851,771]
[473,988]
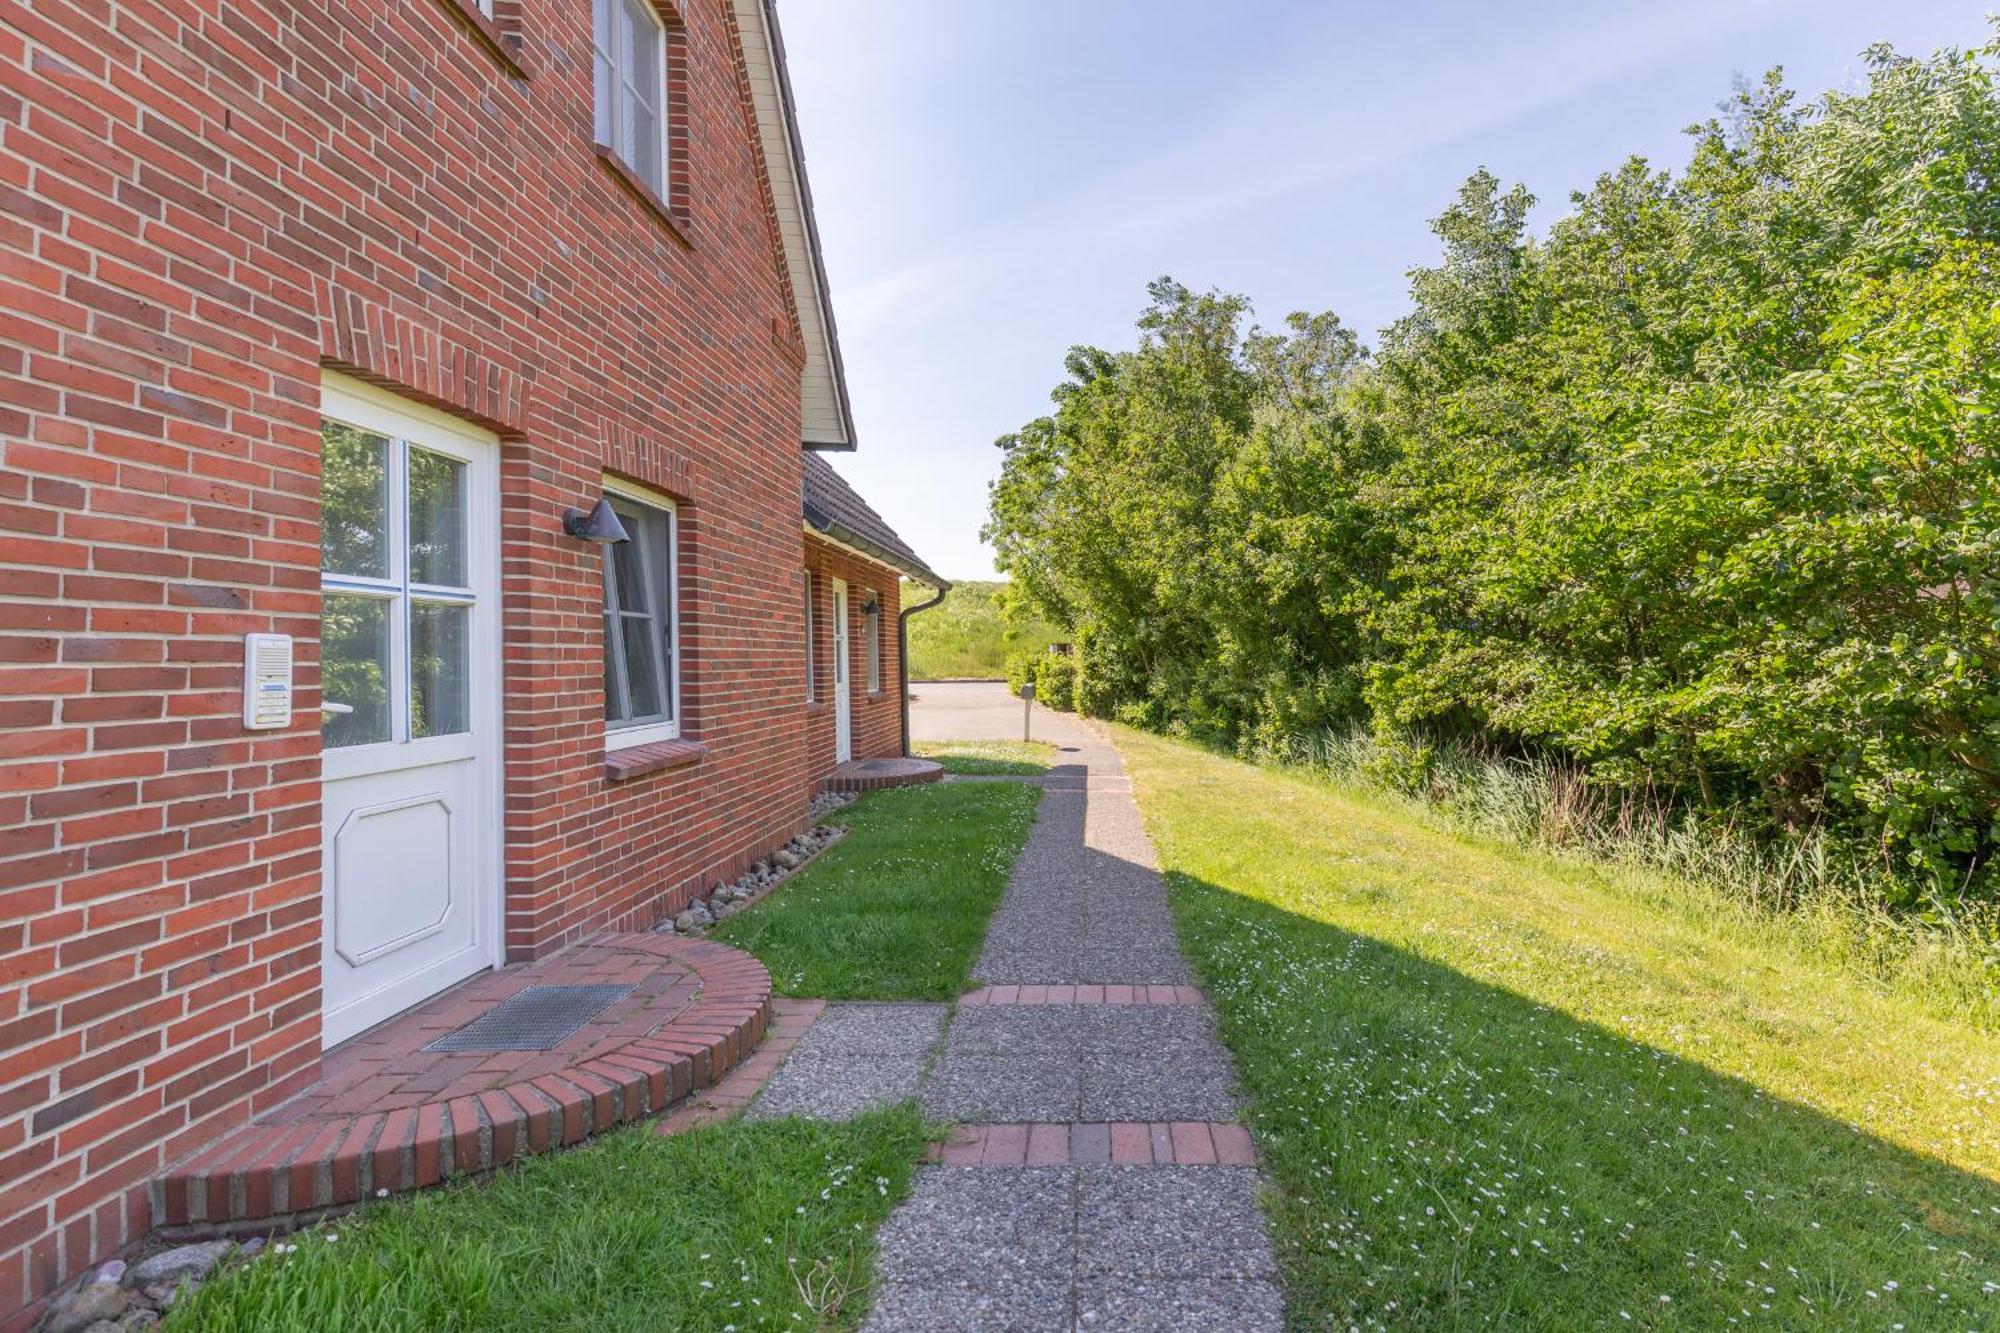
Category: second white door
[843,726]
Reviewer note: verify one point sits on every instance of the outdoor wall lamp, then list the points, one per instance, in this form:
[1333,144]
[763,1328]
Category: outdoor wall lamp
[600,525]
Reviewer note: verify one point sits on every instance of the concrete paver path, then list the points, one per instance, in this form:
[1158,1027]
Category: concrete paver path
[1100,1181]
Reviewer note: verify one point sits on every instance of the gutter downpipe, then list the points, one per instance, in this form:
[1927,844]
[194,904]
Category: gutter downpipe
[903,656]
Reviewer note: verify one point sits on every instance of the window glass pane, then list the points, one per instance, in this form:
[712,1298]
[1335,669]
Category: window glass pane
[440,704]
[638,620]
[354,668]
[642,667]
[644,154]
[628,564]
[437,519]
[629,22]
[354,491]
[811,664]
[614,703]
[607,89]
[873,624]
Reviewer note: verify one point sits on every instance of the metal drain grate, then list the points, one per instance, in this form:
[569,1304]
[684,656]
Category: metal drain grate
[534,1019]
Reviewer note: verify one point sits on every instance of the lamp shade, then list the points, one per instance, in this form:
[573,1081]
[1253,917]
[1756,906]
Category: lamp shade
[600,525]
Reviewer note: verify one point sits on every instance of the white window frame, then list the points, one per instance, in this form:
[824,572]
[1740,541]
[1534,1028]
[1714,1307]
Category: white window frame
[812,656]
[610,123]
[626,735]
[871,620]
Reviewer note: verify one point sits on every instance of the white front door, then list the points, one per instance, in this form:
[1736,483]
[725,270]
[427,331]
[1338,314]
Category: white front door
[843,739]
[409,668]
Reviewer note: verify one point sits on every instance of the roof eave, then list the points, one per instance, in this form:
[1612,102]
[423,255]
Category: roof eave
[831,528]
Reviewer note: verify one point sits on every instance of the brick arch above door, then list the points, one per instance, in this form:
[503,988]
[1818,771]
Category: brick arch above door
[371,342]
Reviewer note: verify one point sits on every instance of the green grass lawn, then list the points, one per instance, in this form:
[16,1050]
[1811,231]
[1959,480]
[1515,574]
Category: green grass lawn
[897,909]
[747,1225]
[966,635]
[990,758]
[1494,1089]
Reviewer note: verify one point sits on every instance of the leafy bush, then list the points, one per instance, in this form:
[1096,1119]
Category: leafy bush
[1096,687]
[1055,681]
[1020,669]
[1696,497]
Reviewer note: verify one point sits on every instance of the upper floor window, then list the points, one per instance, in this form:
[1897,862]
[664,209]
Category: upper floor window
[642,674]
[630,61]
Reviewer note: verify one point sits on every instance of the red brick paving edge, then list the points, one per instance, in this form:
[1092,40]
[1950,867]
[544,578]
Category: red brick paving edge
[1118,1143]
[989,995]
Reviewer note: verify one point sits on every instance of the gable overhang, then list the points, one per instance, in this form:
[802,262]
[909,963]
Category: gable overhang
[828,418]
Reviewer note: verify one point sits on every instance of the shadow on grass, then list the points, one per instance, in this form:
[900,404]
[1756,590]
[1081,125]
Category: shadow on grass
[1447,1153]
[745,1224]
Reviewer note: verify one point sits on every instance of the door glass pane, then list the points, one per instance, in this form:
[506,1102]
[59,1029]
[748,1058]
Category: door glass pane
[437,519]
[354,472]
[642,667]
[354,668]
[440,703]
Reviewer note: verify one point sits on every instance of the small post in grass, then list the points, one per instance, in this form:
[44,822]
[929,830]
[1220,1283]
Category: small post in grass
[1027,710]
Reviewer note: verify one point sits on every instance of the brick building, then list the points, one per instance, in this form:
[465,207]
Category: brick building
[856,689]
[317,321]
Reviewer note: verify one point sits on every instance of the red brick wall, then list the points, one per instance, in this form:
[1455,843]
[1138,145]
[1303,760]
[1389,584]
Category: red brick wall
[877,719]
[201,204]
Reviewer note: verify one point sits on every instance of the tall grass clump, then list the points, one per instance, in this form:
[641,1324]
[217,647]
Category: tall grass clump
[1824,897]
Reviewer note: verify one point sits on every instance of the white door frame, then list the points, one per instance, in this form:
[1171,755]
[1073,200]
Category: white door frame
[358,403]
[843,718]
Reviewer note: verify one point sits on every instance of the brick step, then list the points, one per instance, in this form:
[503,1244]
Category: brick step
[859,775]
[266,1173]
[1093,1143]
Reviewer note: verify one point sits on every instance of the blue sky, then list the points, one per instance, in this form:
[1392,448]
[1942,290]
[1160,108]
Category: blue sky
[995,183]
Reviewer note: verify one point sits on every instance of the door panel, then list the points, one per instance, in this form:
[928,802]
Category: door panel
[410,686]
[392,883]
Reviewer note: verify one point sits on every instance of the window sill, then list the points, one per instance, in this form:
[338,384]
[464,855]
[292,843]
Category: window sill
[875,696]
[616,165]
[635,761]
[496,42]
[814,707]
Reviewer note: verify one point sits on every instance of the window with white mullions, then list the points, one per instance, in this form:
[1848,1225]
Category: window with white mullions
[629,63]
[396,602]
[641,627]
